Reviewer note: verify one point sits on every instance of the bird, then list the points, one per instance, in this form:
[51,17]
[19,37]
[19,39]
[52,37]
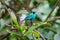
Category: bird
[31,16]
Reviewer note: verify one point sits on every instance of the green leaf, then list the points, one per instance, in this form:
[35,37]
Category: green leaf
[43,14]
[57,37]
[54,12]
[28,32]
[2,24]
[12,37]
[12,33]
[37,26]
[40,25]
[23,28]
[36,34]
[50,35]
[14,19]
[45,24]
[52,2]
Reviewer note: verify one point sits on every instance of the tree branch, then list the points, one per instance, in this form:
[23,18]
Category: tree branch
[43,38]
[52,10]
[53,19]
[5,36]
[8,6]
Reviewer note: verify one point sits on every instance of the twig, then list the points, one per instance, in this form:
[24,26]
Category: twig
[8,25]
[5,36]
[52,10]
[50,29]
[8,34]
[33,36]
[31,22]
[43,38]
[7,6]
[53,19]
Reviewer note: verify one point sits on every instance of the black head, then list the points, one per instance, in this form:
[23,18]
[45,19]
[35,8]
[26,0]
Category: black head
[33,12]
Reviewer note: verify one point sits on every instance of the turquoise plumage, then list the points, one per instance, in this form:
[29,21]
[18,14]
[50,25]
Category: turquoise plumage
[31,16]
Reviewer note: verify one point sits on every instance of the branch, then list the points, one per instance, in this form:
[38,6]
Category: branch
[27,5]
[7,6]
[43,38]
[8,34]
[53,19]
[52,10]
[5,36]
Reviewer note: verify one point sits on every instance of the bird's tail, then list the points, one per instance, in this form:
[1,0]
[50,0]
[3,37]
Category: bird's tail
[21,22]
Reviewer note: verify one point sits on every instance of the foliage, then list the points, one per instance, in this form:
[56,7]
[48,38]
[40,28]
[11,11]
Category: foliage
[46,26]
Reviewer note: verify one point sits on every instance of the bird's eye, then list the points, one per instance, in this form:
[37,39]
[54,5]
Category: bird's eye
[33,12]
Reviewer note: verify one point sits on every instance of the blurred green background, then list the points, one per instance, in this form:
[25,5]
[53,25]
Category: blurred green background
[47,21]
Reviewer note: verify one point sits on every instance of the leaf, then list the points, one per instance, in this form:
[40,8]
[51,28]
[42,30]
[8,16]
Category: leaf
[23,28]
[30,36]
[12,37]
[52,2]
[54,12]
[2,24]
[45,24]
[36,34]
[14,19]
[33,27]
[36,26]
[50,35]
[12,33]
[43,14]
[57,37]
[43,32]
[28,32]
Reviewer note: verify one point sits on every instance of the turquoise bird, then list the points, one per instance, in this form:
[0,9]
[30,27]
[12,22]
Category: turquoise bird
[31,16]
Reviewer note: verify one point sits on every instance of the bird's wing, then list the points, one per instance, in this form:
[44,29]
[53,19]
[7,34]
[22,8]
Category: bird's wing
[29,16]
[34,16]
